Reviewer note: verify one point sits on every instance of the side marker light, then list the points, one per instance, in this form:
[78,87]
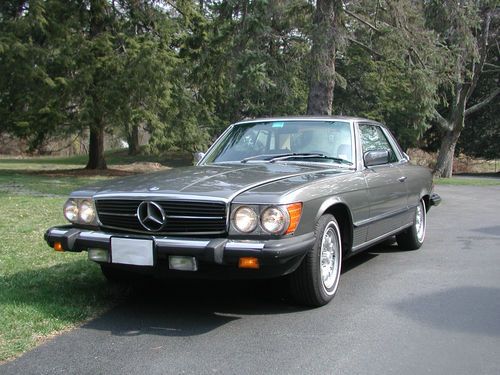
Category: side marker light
[249,262]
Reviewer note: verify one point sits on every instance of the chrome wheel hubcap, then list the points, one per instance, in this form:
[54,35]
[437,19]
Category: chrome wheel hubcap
[330,257]
[420,222]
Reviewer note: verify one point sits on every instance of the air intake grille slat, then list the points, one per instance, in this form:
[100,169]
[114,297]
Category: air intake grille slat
[207,217]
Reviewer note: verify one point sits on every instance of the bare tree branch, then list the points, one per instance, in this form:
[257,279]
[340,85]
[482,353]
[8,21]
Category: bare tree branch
[441,121]
[369,49]
[360,19]
[483,52]
[418,57]
[491,65]
[482,103]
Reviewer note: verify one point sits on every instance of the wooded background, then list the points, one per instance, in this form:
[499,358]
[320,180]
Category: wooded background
[183,70]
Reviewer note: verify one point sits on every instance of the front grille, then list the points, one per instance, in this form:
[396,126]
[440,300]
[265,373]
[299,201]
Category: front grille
[183,217]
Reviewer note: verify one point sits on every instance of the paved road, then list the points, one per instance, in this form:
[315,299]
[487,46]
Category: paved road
[431,311]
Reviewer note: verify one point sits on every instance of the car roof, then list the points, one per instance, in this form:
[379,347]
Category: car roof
[307,118]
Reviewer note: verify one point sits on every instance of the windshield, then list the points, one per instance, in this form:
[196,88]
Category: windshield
[304,141]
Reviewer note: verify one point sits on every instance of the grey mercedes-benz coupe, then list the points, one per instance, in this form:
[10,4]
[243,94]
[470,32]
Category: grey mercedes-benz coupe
[271,197]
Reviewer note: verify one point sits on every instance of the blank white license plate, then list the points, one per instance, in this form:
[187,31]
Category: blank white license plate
[131,251]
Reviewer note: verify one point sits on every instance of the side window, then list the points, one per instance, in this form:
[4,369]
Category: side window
[373,138]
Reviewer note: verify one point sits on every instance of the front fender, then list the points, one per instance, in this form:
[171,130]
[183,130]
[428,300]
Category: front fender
[329,203]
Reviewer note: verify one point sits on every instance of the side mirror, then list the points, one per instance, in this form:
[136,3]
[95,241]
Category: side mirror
[376,157]
[197,156]
[406,156]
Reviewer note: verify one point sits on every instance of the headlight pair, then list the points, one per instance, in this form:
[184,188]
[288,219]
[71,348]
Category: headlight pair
[282,219]
[80,211]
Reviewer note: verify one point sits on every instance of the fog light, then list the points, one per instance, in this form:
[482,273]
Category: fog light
[58,246]
[99,255]
[249,262]
[181,263]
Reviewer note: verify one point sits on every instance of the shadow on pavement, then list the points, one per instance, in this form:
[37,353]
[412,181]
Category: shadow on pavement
[356,261]
[388,246]
[468,309]
[192,307]
[494,230]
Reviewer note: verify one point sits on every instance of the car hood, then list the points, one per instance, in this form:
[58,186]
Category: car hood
[221,181]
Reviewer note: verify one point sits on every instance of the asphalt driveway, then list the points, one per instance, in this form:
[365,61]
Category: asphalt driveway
[431,311]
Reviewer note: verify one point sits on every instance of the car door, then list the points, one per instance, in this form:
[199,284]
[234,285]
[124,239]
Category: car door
[385,183]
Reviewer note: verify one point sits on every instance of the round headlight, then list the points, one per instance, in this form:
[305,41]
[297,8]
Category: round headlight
[71,210]
[86,212]
[273,220]
[245,219]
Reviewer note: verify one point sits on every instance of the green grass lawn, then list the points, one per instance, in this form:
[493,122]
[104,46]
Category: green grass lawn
[41,291]
[467,181]
[113,157]
[16,182]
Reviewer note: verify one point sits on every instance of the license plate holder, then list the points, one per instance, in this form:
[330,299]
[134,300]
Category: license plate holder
[132,251]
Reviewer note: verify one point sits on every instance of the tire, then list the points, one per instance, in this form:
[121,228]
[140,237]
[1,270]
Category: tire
[313,284]
[413,237]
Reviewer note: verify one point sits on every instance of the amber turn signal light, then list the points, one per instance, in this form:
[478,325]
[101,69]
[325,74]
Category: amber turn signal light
[58,246]
[249,262]
[295,211]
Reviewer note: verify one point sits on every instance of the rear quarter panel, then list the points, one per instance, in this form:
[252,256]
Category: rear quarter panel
[418,182]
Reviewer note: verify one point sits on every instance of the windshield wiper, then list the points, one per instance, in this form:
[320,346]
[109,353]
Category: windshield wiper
[264,157]
[309,155]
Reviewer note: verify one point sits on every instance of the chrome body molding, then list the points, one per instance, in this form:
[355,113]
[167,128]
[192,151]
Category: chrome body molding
[300,118]
[159,196]
[383,216]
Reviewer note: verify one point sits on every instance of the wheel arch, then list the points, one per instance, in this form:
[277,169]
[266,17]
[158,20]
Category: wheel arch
[425,196]
[342,214]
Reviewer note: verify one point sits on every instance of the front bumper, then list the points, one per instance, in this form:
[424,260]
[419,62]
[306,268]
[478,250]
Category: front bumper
[217,257]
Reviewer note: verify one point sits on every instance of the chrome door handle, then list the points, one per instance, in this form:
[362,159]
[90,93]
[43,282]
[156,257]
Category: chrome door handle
[402,179]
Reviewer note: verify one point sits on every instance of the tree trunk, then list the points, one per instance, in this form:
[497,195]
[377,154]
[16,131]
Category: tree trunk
[133,140]
[444,165]
[96,149]
[322,75]
[96,141]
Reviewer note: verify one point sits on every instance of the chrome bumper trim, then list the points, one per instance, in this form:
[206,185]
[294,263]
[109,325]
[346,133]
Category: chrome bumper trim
[240,245]
[95,235]
[181,243]
[58,232]
[165,242]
